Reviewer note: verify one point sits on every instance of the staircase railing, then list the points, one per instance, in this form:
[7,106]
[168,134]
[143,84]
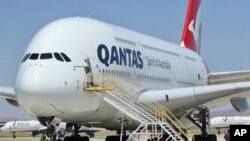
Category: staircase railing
[112,83]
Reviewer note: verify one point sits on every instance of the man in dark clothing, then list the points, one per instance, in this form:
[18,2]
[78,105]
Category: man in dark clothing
[227,135]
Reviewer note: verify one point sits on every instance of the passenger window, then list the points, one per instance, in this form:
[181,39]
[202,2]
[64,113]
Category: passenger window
[58,57]
[65,57]
[34,56]
[46,56]
[25,57]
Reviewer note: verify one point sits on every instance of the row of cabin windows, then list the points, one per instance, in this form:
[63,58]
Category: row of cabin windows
[129,74]
[59,56]
[125,41]
[160,50]
[168,52]
[152,48]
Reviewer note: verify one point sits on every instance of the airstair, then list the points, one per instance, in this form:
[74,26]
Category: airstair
[155,119]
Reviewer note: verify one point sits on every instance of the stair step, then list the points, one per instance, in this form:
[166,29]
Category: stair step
[130,107]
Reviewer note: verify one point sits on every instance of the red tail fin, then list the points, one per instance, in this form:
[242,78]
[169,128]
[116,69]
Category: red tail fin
[192,28]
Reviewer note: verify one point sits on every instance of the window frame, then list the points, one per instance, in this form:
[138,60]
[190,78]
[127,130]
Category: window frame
[26,57]
[65,57]
[59,55]
[36,57]
[46,56]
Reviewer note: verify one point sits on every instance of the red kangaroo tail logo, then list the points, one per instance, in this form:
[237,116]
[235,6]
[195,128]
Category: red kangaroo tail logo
[191,37]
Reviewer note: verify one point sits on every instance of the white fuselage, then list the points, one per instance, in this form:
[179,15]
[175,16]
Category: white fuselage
[49,87]
[225,122]
[16,126]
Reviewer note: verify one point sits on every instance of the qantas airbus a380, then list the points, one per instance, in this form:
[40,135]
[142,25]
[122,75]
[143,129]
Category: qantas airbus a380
[53,72]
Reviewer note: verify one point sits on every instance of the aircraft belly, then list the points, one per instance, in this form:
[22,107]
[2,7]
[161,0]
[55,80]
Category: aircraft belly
[58,104]
[103,112]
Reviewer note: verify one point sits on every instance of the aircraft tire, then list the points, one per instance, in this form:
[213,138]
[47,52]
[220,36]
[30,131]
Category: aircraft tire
[76,138]
[196,138]
[85,138]
[212,137]
[116,138]
[67,139]
[111,138]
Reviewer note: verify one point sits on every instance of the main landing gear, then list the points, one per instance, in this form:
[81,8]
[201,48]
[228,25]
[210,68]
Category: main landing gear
[75,134]
[200,118]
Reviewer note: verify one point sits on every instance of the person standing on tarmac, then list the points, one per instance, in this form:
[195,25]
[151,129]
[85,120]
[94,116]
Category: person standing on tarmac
[227,135]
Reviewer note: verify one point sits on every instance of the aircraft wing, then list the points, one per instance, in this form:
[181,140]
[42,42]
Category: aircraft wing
[7,93]
[229,77]
[185,97]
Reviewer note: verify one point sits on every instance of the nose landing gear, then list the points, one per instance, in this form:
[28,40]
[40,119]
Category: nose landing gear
[51,131]
[75,134]
[50,128]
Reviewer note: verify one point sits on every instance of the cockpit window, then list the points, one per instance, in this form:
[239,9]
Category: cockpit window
[58,57]
[43,56]
[65,57]
[34,56]
[25,57]
[46,56]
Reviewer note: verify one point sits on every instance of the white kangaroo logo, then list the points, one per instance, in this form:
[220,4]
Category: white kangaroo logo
[194,29]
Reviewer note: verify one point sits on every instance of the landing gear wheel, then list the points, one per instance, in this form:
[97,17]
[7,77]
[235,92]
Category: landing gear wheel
[67,138]
[75,134]
[211,137]
[116,138]
[196,138]
[76,138]
[85,138]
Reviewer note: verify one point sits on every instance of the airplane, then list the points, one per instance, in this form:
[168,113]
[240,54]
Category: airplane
[1,124]
[36,128]
[53,77]
[225,122]
[18,126]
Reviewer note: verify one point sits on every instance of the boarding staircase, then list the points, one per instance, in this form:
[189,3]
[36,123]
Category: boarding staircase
[155,119]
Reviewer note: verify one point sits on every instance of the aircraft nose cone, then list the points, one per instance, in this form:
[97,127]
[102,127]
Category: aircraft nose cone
[28,81]
[38,80]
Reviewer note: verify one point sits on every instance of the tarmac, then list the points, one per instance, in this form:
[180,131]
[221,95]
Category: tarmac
[99,136]
[219,138]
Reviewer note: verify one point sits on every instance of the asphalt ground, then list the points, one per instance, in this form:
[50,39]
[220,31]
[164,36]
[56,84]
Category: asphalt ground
[99,136]
[219,138]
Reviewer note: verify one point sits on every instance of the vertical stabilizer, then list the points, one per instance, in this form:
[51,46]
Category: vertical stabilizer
[191,37]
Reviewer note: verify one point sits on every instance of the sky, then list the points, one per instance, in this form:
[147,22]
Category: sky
[225,37]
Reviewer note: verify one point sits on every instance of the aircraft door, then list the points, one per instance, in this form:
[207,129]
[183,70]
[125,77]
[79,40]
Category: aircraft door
[92,71]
